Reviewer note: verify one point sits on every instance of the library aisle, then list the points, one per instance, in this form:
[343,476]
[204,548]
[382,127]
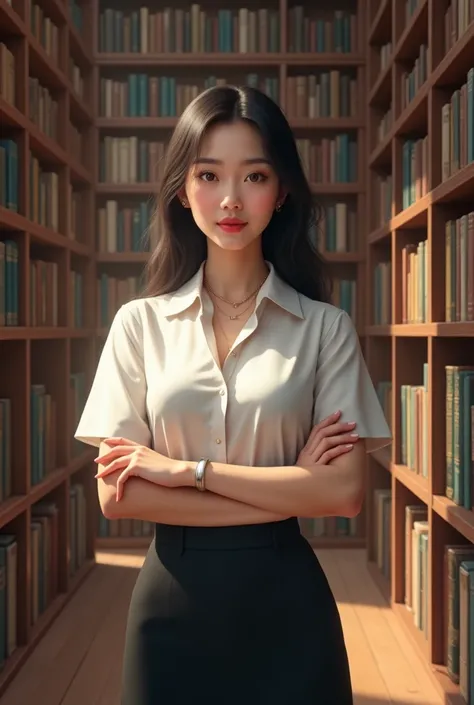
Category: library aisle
[79,659]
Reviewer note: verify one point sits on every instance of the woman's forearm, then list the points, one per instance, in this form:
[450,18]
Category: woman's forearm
[322,490]
[180,505]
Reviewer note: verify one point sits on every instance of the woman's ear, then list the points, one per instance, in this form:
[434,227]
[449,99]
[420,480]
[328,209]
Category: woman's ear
[183,198]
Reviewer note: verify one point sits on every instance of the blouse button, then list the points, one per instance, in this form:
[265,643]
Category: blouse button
[218,441]
[222,392]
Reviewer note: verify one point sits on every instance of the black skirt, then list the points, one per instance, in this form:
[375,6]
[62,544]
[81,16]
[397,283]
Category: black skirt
[233,615]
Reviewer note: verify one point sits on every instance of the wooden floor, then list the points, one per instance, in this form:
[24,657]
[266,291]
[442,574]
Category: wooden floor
[78,661]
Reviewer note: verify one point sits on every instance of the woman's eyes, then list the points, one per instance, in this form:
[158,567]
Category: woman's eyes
[254,177]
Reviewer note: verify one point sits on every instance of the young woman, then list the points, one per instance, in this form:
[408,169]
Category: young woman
[207,407]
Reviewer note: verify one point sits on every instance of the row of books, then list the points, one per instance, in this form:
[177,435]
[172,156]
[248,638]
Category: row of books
[414,170]
[43,433]
[7,74]
[330,159]
[459,268]
[344,295]
[238,30]
[458,16]
[414,411]
[6,479]
[413,80]
[417,565]
[384,200]
[77,400]
[45,540]
[43,108]
[338,229]
[124,528]
[415,268]
[385,124]
[44,30]
[457,131]
[382,530]
[124,228]
[131,160]
[322,94]
[144,95]
[460,434]
[113,292]
[382,299]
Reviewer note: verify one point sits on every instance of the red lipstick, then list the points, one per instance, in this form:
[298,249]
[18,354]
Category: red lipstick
[231,225]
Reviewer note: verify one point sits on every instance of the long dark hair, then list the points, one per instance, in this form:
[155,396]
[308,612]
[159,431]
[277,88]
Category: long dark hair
[287,241]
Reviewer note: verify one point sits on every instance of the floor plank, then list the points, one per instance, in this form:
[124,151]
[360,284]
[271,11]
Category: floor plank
[79,660]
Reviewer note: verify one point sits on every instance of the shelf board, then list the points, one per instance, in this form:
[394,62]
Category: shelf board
[381,233]
[414,34]
[19,656]
[417,484]
[458,329]
[10,21]
[11,117]
[17,504]
[460,518]
[236,59]
[381,91]
[381,25]
[123,257]
[414,216]
[459,186]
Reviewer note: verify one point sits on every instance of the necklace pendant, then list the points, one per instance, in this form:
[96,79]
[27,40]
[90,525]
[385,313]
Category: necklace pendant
[236,305]
[232,318]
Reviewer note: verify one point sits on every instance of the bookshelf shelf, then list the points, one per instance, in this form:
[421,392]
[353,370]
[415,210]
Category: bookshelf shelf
[420,338]
[47,500]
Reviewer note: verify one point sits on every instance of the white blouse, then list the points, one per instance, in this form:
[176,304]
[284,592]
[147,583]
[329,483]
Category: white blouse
[296,361]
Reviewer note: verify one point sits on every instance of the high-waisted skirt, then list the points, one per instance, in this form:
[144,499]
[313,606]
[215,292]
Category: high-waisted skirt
[233,615]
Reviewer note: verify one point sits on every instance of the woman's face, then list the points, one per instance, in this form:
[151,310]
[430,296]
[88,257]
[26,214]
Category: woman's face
[231,188]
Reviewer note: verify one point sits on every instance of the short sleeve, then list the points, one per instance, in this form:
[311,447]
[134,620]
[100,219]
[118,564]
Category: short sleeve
[343,383]
[116,405]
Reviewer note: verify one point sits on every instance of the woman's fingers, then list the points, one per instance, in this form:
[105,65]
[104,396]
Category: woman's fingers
[332,431]
[335,452]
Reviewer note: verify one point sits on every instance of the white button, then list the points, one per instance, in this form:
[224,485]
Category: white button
[232,354]
[222,392]
[218,441]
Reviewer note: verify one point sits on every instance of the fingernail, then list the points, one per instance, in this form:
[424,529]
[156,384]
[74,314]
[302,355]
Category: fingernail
[336,413]
[349,446]
[354,435]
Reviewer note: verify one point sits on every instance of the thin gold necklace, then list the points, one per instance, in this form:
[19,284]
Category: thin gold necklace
[234,317]
[236,304]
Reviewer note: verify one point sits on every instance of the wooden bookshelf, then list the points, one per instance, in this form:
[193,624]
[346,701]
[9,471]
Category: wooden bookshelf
[47,494]
[420,312]
[276,43]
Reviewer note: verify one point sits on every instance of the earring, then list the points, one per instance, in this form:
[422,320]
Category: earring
[279,206]
[183,203]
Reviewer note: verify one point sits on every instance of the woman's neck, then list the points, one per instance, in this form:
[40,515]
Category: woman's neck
[234,275]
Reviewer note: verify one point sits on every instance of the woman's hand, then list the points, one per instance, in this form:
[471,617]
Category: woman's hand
[135,460]
[327,440]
